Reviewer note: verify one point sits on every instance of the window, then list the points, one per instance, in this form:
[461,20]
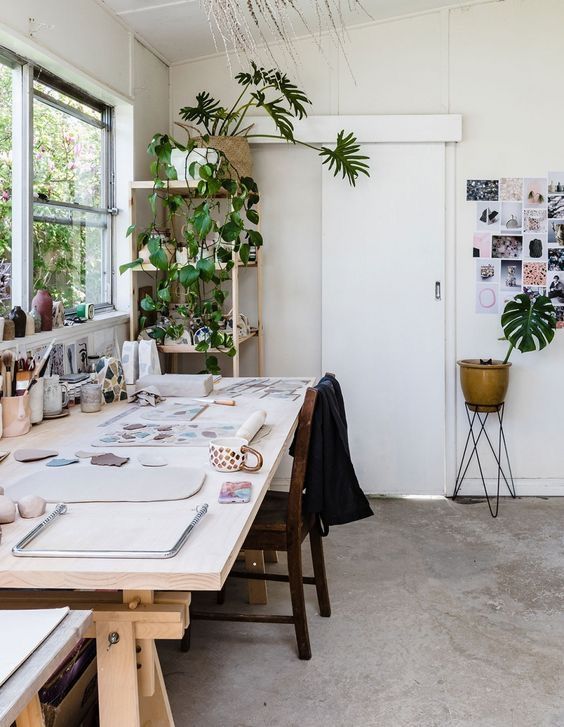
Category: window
[6,80]
[63,242]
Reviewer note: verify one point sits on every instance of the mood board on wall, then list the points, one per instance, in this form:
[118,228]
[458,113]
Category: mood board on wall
[518,243]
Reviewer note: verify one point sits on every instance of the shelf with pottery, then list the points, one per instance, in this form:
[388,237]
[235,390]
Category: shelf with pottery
[137,285]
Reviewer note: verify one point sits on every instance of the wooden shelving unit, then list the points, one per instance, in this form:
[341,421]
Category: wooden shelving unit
[175,350]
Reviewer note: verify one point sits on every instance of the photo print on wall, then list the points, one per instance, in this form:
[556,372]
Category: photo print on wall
[482,189]
[511,189]
[518,241]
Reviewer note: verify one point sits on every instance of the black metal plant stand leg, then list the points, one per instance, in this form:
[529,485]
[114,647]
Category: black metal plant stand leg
[477,420]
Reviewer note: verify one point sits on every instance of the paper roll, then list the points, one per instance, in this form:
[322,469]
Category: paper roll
[148,358]
[251,425]
[130,361]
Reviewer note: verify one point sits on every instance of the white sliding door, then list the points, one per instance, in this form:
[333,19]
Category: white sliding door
[383,329]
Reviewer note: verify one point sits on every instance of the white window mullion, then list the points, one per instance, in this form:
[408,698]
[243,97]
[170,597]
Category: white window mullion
[22,186]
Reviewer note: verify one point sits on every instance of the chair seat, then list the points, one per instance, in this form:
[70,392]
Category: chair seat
[271,522]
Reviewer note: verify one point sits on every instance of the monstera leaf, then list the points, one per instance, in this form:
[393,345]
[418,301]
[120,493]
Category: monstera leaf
[528,324]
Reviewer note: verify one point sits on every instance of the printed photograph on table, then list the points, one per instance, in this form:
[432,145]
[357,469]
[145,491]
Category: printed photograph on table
[511,189]
[555,287]
[555,206]
[534,273]
[507,246]
[533,292]
[535,246]
[482,244]
[487,271]
[488,216]
[556,182]
[487,298]
[482,189]
[511,216]
[556,233]
[511,275]
[556,258]
[535,219]
[535,191]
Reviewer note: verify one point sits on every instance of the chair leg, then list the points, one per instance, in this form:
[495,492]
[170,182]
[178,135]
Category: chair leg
[298,600]
[185,642]
[316,544]
[220,598]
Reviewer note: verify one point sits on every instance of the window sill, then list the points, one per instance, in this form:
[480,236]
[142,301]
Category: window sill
[67,333]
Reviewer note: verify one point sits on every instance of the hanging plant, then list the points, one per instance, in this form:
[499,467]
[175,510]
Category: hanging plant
[218,220]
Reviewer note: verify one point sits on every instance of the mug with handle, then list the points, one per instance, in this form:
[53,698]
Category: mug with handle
[229,454]
[55,395]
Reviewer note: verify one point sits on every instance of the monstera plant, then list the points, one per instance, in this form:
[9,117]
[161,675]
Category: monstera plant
[528,324]
[214,218]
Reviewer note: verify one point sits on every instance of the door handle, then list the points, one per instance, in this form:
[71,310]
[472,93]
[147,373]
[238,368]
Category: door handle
[438,290]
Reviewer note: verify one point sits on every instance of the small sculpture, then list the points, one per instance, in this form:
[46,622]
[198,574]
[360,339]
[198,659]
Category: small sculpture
[7,510]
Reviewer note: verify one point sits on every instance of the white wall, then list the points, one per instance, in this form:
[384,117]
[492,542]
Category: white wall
[494,64]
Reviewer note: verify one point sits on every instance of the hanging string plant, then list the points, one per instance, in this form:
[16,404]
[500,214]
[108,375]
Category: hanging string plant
[218,220]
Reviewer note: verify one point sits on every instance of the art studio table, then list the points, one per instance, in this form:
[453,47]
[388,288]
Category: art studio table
[19,699]
[136,601]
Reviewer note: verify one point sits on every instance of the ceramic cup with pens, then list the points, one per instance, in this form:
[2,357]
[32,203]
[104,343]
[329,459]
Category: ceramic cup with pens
[55,395]
[229,454]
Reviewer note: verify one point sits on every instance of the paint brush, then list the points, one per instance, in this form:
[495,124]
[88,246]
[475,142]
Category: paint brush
[41,367]
[7,362]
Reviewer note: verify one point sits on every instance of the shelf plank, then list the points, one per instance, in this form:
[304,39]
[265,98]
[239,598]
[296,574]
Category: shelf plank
[148,268]
[184,348]
[174,185]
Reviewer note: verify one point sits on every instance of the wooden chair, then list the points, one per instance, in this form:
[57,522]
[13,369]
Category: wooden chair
[280,525]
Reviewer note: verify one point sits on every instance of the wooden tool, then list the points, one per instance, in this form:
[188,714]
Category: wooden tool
[7,363]
[219,402]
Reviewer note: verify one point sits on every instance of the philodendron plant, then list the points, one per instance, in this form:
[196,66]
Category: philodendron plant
[218,220]
[271,91]
[528,324]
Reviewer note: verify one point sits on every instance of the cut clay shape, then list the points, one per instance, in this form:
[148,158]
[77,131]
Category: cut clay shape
[109,460]
[85,454]
[33,455]
[7,510]
[152,460]
[31,506]
[132,427]
[61,462]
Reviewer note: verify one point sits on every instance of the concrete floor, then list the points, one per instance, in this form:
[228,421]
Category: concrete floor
[442,617]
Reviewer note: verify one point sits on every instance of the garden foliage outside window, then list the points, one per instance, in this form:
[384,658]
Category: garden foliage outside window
[71,195]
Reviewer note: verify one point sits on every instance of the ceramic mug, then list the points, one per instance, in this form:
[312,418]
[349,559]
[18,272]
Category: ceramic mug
[36,401]
[16,415]
[91,398]
[55,395]
[229,454]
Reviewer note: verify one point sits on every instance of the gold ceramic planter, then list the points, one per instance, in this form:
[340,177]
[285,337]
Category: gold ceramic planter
[484,385]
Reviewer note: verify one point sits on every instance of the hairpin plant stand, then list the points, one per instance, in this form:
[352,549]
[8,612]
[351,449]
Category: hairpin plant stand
[477,419]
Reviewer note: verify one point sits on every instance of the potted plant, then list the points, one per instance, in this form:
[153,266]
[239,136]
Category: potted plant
[528,325]
[227,129]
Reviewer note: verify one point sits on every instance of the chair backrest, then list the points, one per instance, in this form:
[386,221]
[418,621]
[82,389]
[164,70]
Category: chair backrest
[301,454]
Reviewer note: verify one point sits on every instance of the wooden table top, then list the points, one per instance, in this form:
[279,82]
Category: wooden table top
[209,553]
[24,683]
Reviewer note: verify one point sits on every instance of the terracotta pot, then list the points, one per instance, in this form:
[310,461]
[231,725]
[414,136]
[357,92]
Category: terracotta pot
[44,304]
[484,385]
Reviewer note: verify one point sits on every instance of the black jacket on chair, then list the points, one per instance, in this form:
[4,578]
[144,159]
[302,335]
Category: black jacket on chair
[332,491]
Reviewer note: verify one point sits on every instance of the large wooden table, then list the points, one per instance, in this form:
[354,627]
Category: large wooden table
[143,600]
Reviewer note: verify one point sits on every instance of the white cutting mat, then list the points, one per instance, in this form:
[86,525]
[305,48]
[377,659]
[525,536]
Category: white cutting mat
[90,483]
[117,526]
[22,633]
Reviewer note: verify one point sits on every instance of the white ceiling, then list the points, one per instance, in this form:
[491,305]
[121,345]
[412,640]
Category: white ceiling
[179,30]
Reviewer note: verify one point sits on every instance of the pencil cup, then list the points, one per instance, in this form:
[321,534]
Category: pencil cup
[16,415]
[36,401]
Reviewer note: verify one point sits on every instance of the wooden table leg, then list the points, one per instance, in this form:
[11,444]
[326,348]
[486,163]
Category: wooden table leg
[118,692]
[144,647]
[32,715]
[155,710]
[254,563]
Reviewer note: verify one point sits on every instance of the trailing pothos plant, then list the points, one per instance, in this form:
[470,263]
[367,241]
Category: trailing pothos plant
[271,91]
[218,220]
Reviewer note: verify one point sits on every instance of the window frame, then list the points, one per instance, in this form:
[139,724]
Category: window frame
[24,94]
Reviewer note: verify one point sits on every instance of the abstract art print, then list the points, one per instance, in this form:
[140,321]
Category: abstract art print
[488,216]
[534,274]
[535,219]
[511,189]
[556,182]
[482,244]
[487,298]
[555,206]
[482,189]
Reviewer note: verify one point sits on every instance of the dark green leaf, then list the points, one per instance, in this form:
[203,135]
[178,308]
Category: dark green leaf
[255,238]
[164,294]
[230,231]
[188,275]
[244,253]
[159,259]
[253,216]
[344,158]
[205,112]
[529,325]
[206,266]
[128,266]
[148,304]
[130,230]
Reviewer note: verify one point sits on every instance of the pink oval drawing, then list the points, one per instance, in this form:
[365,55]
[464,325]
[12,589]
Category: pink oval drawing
[486,302]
